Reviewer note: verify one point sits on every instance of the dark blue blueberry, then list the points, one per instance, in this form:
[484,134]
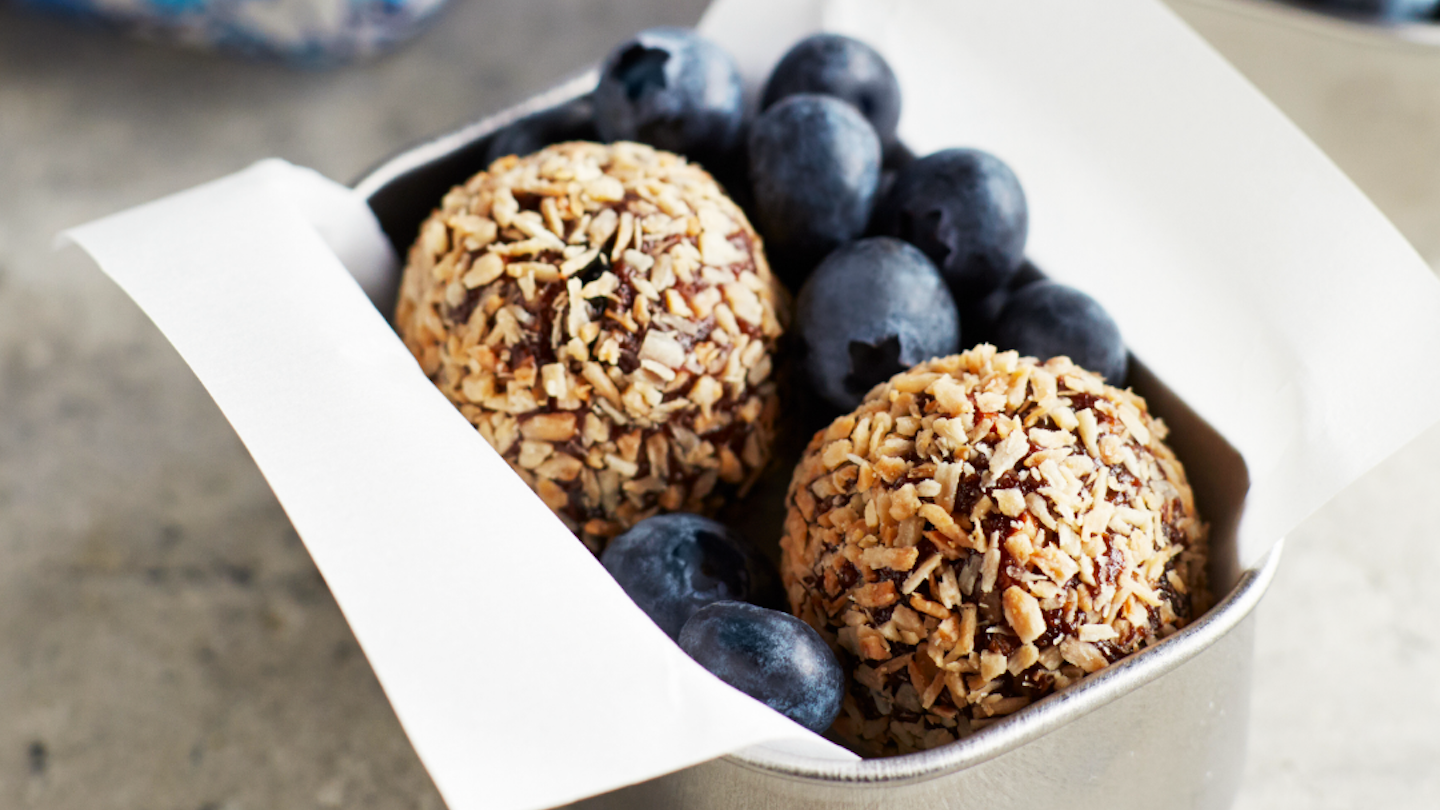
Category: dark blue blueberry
[814,168]
[872,309]
[572,121]
[770,656]
[897,156]
[673,565]
[848,69]
[672,89]
[966,210]
[1045,320]
[1388,10]
[979,319]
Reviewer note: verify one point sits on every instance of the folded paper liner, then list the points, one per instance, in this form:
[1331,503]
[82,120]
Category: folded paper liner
[1245,271]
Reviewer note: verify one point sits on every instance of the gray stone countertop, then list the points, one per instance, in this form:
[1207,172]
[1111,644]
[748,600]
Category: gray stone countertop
[165,641]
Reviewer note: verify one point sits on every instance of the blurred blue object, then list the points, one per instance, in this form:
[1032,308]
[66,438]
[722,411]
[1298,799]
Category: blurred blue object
[1382,10]
[307,32]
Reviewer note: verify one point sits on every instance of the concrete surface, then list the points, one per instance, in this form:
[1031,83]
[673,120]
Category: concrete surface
[165,641]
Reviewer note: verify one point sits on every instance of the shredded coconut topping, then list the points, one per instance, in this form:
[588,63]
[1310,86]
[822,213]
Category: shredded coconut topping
[984,530]
[605,316]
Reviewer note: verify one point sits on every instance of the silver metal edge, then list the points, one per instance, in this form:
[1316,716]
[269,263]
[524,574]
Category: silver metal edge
[421,154]
[1047,715]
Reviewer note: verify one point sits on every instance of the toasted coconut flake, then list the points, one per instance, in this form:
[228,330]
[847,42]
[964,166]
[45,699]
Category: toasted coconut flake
[486,269]
[1022,611]
[1083,654]
[550,427]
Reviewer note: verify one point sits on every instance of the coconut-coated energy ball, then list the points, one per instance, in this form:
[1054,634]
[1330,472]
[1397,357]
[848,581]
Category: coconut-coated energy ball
[605,316]
[983,530]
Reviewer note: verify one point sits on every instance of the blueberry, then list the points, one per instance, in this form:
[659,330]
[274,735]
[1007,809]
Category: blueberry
[966,210]
[814,168]
[672,89]
[1045,319]
[673,565]
[979,318]
[572,121]
[872,309]
[770,656]
[848,69]
[897,156]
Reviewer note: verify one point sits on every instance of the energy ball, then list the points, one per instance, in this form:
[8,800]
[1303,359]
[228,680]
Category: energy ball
[605,316]
[982,531]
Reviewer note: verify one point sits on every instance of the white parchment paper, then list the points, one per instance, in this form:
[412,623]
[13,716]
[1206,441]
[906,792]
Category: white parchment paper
[1244,269]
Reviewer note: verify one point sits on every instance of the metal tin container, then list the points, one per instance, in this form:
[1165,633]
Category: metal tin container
[1165,727]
